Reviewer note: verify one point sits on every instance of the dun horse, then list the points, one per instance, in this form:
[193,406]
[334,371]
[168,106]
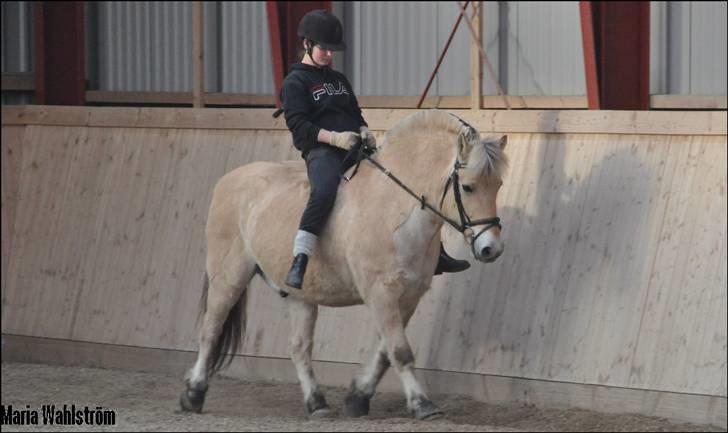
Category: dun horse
[380,248]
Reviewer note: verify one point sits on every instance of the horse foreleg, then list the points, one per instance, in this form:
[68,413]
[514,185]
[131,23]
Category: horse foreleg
[303,323]
[363,386]
[391,323]
[365,383]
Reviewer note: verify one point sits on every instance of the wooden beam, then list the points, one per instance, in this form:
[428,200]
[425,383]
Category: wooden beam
[198,75]
[21,81]
[442,54]
[39,47]
[101,96]
[476,62]
[177,98]
[623,46]
[487,101]
[590,55]
[276,47]
[616,39]
[670,102]
[688,102]
[500,121]
[483,54]
[60,67]
[445,102]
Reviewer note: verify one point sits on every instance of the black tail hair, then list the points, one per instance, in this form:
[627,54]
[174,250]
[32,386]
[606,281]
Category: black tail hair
[228,341]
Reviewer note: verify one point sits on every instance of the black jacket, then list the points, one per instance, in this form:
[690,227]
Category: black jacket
[315,98]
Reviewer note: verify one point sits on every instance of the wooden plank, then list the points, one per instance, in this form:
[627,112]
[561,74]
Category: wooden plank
[12,155]
[198,64]
[686,275]
[688,102]
[443,102]
[38,262]
[44,115]
[589,48]
[700,409]
[496,121]
[476,63]
[101,96]
[658,102]
[239,99]
[21,81]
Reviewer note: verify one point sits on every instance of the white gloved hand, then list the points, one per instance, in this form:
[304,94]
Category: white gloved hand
[344,140]
[368,138]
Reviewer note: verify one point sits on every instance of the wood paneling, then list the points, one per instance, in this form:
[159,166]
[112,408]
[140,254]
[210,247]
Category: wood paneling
[614,271]
[11,149]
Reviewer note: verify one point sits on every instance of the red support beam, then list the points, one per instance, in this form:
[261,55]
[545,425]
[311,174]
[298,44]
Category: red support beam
[283,18]
[590,55]
[620,48]
[60,64]
[276,47]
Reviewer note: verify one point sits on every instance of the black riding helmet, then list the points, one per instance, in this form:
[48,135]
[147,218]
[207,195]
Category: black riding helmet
[323,28]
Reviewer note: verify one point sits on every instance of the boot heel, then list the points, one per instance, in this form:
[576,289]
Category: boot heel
[298,270]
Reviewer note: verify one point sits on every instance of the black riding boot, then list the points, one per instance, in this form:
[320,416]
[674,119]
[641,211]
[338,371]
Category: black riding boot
[448,264]
[298,269]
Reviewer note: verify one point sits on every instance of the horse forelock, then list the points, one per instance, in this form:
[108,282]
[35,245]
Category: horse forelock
[486,158]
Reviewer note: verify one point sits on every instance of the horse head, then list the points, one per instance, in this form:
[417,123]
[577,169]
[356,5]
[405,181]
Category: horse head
[473,187]
[446,159]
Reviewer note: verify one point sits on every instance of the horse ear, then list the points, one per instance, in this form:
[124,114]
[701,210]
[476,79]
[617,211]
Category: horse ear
[503,141]
[463,148]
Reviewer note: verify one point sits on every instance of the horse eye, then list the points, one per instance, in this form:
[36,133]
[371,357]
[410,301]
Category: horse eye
[467,188]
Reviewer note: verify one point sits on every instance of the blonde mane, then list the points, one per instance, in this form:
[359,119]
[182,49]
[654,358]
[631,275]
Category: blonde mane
[481,157]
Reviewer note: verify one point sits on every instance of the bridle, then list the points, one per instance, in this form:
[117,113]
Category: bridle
[465,226]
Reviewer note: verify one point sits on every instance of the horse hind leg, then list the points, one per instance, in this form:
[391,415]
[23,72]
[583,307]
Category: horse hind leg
[223,318]
[303,322]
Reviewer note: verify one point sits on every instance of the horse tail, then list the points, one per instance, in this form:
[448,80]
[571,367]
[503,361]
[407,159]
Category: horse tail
[233,328]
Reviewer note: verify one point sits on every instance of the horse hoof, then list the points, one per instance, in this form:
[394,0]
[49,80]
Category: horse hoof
[324,412]
[427,411]
[356,405]
[191,400]
[316,406]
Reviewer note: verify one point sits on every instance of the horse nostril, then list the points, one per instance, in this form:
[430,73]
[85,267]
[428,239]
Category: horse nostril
[485,252]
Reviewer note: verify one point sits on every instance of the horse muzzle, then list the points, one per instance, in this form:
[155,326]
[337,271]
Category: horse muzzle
[488,248]
[488,256]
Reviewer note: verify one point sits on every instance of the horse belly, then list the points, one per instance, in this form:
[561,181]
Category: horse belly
[328,281]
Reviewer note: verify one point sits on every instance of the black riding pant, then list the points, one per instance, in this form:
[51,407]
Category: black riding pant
[324,165]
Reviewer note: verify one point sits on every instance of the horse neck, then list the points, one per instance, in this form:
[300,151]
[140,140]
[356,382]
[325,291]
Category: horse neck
[422,162]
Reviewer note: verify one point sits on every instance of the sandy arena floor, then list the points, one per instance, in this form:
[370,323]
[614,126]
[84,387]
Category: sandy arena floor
[148,402]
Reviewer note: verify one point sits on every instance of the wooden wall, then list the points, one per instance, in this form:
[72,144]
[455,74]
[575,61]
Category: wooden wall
[614,271]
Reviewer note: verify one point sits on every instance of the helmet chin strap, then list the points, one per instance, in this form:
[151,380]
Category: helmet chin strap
[309,52]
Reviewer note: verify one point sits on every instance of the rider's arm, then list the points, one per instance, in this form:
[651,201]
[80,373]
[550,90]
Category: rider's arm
[298,107]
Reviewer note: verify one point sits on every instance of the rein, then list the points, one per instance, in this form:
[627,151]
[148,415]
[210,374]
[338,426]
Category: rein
[361,152]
